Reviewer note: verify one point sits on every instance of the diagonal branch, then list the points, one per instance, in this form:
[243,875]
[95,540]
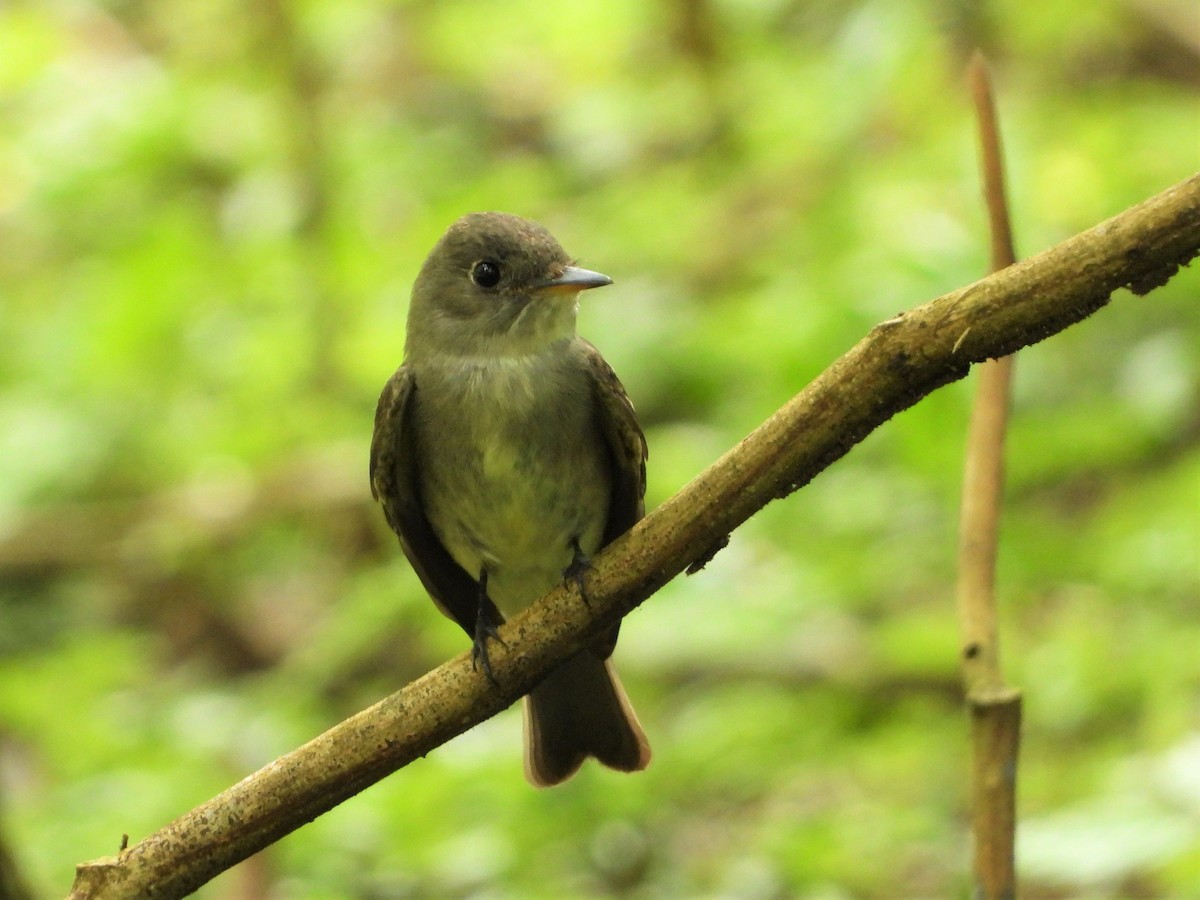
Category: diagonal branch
[895,365]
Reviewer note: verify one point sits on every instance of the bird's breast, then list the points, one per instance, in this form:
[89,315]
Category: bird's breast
[512,470]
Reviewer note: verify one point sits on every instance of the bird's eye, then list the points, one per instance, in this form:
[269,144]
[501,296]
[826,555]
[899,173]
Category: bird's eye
[486,273]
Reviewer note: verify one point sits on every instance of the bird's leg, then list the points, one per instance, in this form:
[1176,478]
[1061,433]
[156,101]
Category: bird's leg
[485,627]
[574,572]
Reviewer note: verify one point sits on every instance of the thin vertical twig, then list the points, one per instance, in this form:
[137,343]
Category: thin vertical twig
[995,709]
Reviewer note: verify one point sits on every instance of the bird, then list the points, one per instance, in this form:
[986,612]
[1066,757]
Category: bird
[505,454]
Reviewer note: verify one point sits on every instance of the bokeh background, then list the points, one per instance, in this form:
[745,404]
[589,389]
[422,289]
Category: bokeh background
[210,216]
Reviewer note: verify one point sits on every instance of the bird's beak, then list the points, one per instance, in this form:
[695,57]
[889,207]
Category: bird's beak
[574,278]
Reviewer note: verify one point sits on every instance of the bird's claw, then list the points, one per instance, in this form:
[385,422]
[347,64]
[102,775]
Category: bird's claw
[485,630]
[579,565]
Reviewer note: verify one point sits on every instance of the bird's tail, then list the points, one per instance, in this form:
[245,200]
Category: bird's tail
[581,710]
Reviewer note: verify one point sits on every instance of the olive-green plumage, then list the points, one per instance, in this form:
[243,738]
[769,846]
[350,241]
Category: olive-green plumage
[505,454]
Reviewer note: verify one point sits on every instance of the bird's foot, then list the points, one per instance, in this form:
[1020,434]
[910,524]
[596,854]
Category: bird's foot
[486,624]
[580,564]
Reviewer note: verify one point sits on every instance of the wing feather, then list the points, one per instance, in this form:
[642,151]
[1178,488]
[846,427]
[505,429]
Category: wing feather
[394,483]
[627,449]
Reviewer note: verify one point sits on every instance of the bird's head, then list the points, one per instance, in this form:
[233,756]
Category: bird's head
[495,285]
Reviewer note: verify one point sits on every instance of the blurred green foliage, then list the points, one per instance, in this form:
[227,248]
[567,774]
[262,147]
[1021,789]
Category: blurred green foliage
[210,215]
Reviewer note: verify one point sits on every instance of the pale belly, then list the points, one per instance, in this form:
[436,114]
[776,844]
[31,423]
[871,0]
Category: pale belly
[511,496]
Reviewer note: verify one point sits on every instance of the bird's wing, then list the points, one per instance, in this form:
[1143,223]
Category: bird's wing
[627,448]
[394,485]
[626,445]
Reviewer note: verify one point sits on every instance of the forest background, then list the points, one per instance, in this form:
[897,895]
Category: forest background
[210,217]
